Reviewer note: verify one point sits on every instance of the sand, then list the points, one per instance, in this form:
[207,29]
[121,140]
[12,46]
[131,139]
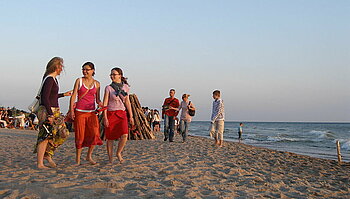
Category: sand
[158,169]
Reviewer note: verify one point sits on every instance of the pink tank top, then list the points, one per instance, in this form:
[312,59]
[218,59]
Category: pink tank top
[87,102]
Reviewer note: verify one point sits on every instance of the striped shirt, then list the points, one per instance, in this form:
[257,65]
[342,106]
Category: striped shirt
[218,112]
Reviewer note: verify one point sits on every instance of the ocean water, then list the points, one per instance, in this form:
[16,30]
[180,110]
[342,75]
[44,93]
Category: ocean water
[312,139]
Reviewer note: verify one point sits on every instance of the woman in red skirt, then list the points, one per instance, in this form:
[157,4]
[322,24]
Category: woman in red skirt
[115,120]
[86,125]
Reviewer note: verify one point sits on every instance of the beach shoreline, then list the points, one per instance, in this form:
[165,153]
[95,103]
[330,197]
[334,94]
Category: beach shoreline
[158,169]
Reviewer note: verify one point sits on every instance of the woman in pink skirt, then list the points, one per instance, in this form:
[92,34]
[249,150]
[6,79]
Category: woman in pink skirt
[115,120]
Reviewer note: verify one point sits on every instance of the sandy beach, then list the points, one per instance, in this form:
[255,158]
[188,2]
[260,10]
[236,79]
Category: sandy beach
[158,169]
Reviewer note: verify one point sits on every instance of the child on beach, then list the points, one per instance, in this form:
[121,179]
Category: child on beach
[217,119]
[240,131]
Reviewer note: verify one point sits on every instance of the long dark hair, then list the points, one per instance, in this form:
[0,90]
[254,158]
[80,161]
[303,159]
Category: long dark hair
[52,65]
[92,66]
[120,71]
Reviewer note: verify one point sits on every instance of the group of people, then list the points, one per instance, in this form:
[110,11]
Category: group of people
[9,118]
[170,109]
[153,118]
[115,107]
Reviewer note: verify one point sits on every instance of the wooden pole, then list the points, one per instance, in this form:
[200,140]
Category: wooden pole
[338,151]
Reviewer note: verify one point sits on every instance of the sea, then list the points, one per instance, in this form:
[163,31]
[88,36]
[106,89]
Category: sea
[312,139]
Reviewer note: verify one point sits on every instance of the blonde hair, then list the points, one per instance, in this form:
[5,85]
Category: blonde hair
[52,65]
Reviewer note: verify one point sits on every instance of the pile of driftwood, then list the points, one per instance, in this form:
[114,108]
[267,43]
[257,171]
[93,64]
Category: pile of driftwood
[141,130]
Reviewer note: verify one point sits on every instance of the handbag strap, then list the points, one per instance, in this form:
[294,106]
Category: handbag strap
[41,86]
[171,101]
[189,104]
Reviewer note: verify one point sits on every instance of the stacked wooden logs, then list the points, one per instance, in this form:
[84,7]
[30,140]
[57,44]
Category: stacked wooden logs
[142,129]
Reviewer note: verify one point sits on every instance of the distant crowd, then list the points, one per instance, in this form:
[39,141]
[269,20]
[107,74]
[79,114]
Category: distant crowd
[13,118]
[153,118]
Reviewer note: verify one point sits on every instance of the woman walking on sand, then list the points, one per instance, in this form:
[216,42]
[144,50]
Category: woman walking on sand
[86,124]
[185,118]
[115,120]
[52,130]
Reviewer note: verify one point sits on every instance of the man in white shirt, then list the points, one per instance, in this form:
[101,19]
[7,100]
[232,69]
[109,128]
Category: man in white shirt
[217,119]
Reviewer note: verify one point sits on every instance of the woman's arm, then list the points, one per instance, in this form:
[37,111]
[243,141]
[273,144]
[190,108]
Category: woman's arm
[73,98]
[128,107]
[180,107]
[68,93]
[105,103]
[98,95]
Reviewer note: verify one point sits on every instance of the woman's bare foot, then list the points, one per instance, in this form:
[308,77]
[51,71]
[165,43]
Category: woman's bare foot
[51,162]
[91,161]
[42,167]
[120,158]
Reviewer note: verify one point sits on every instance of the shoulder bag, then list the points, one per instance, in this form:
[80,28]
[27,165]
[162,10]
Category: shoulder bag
[191,112]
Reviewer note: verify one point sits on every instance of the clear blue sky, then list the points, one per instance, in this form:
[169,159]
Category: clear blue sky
[273,60]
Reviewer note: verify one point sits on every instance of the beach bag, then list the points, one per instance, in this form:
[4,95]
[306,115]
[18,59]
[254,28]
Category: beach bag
[34,106]
[191,112]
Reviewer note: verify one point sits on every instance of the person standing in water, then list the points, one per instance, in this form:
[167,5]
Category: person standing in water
[86,125]
[240,131]
[115,119]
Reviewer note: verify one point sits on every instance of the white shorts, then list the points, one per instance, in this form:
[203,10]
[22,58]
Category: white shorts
[217,130]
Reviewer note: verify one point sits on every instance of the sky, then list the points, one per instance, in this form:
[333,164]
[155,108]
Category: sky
[272,60]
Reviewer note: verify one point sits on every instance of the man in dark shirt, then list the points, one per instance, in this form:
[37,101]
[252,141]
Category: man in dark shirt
[169,112]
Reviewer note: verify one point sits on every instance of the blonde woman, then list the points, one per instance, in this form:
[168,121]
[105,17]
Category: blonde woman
[52,130]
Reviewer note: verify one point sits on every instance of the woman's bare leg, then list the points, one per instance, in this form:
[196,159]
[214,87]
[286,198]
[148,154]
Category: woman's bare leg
[51,162]
[110,150]
[89,155]
[121,145]
[77,156]
[40,156]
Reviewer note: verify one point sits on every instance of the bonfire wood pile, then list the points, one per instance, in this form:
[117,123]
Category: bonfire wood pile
[142,129]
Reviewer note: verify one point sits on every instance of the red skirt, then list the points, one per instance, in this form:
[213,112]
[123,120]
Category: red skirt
[87,130]
[118,124]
